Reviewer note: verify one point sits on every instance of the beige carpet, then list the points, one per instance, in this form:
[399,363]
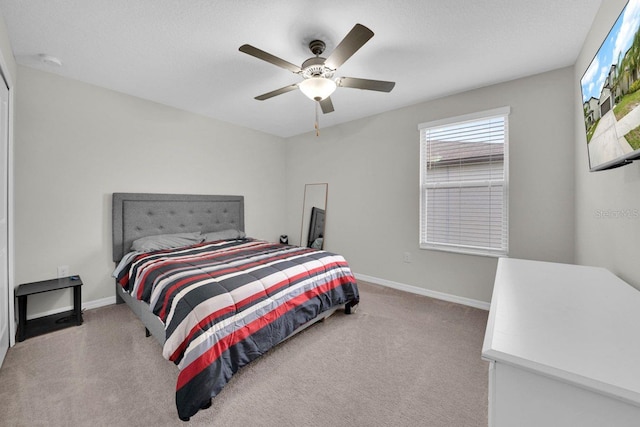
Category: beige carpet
[400,360]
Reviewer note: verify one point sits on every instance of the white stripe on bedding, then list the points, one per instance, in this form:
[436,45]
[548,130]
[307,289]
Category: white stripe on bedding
[187,255]
[237,321]
[239,262]
[124,262]
[214,304]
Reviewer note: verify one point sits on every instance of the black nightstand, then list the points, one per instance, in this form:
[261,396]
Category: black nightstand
[42,325]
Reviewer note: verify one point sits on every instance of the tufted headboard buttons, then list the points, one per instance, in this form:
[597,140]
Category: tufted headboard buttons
[136,215]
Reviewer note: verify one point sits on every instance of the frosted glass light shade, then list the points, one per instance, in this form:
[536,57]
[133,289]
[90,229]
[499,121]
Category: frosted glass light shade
[317,88]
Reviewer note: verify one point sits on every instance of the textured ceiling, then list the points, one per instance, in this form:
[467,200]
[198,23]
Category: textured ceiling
[185,53]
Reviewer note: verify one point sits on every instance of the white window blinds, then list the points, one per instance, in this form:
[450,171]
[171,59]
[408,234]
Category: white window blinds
[463,184]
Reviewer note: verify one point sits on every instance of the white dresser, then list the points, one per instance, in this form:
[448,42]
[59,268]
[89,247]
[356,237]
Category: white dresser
[563,342]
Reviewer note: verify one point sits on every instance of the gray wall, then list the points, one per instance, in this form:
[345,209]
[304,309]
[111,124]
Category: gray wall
[5,48]
[76,144]
[9,72]
[372,168]
[607,241]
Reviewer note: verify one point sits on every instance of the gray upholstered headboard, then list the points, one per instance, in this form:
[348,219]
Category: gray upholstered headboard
[138,215]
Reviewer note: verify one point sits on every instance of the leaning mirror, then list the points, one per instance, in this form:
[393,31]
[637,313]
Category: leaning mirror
[314,208]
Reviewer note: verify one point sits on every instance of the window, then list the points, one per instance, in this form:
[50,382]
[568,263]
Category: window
[463,184]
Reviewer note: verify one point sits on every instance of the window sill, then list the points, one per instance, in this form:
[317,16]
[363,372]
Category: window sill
[465,250]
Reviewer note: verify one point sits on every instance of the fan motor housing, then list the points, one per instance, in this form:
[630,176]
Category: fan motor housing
[314,67]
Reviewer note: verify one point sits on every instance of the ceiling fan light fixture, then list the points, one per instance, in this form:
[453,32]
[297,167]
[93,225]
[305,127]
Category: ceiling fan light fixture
[317,88]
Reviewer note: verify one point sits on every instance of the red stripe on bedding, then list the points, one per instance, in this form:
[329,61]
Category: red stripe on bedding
[148,269]
[239,306]
[185,343]
[213,353]
[124,281]
[170,291]
[171,257]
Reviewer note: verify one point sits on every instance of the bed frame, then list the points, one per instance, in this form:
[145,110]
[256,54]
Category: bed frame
[137,215]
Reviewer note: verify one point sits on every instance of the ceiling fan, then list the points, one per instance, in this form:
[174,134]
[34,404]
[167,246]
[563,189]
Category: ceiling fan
[317,72]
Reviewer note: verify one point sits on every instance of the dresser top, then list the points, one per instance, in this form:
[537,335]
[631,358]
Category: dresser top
[574,323]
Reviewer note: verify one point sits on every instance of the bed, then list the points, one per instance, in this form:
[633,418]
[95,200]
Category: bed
[214,298]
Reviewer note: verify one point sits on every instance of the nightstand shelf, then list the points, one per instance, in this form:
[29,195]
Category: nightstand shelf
[54,322]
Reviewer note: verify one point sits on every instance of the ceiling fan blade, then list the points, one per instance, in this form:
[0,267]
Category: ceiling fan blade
[261,54]
[353,41]
[326,105]
[379,85]
[276,92]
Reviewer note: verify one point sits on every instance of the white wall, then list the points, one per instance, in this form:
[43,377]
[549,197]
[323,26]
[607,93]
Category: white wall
[607,241]
[7,53]
[76,144]
[8,65]
[372,168]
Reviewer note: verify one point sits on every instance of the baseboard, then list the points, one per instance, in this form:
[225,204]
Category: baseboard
[425,292]
[85,306]
[99,303]
[376,280]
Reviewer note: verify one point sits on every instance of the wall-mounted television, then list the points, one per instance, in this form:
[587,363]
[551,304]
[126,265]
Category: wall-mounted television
[611,94]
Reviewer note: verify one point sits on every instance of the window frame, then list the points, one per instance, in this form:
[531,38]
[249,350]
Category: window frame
[502,112]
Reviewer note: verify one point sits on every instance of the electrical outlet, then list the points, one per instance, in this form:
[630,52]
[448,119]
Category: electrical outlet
[406,257]
[63,271]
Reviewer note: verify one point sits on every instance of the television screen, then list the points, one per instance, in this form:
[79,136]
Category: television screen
[611,96]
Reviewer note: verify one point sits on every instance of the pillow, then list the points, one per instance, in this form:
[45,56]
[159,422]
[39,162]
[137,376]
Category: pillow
[223,235]
[317,244]
[166,241]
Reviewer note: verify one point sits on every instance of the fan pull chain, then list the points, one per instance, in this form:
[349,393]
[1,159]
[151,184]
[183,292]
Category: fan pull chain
[317,126]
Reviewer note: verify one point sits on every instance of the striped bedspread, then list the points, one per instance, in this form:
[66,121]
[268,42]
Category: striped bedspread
[225,303]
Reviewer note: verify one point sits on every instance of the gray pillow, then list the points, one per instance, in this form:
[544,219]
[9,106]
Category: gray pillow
[317,244]
[223,235]
[166,241]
